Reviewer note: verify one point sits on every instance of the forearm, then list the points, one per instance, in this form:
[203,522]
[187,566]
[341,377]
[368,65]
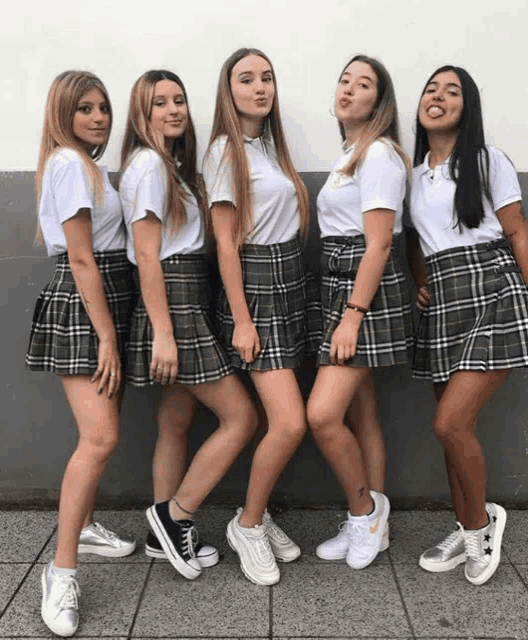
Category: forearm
[415,259]
[519,243]
[231,274]
[154,294]
[369,274]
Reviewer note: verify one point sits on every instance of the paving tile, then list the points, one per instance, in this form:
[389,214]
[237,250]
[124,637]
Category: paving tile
[221,602]
[336,601]
[109,597]
[10,577]
[24,533]
[446,605]
[514,540]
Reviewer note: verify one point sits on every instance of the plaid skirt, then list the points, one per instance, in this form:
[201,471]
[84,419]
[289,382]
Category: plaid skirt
[62,338]
[275,288]
[201,357]
[477,318]
[386,332]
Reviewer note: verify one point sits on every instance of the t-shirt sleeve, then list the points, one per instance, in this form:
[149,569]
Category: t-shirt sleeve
[71,188]
[151,194]
[217,174]
[381,179]
[504,183]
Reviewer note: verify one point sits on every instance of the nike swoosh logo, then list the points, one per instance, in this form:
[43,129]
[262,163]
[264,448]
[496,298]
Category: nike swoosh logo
[374,527]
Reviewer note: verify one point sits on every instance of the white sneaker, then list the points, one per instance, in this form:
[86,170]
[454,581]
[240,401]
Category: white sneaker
[336,548]
[284,549]
[254,551]
[96,539]
[366,533]
[59,602]
[446,555]
[483,546]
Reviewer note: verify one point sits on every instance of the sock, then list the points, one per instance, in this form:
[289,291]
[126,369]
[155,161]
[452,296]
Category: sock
[60,571]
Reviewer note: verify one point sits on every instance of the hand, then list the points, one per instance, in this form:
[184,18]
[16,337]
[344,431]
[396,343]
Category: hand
[108,373]
[344,338]
[246,341]
[423,299]
[164,361]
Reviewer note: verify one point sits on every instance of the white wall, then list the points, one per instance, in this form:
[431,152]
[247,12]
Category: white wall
[308,42]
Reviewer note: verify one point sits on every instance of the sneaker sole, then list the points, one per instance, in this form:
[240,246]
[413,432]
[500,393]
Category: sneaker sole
[383,522]
[48,621]
[251,578]
[496,554]
[106,552]
[186,570]
[440,567]
[205,561]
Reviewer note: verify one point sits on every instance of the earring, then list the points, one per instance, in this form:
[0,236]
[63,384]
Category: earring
[332,112]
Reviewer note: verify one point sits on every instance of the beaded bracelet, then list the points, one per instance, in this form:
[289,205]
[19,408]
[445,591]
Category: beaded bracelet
[356,307]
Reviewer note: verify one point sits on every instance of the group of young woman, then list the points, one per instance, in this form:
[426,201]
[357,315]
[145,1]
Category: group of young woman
[134,300]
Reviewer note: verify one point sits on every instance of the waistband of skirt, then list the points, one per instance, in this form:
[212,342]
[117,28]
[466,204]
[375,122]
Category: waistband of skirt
[186,258]
[351,240]
[116,258]
[469,250]
[293,244]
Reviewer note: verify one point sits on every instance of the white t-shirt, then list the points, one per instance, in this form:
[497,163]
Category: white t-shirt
[66,189]
[432,204]
[273,196]
[378,183]
[142,188]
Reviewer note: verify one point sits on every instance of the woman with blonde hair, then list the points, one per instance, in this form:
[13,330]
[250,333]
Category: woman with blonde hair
[172,342]
[258,206]
[366,312]
[80,323]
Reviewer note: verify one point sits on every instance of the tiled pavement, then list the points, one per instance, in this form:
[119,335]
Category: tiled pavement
[137,597]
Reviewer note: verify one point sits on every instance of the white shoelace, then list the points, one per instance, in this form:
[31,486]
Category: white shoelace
[70,590]
[359,532]
[471,542]
[452,540]
[104,532]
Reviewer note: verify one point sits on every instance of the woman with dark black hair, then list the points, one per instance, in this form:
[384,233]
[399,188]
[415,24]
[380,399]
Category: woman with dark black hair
[466,210]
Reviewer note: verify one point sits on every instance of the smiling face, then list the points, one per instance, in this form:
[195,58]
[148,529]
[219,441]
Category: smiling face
[442,103]
[253,90]
[169,115]
[91,122]
[356,94]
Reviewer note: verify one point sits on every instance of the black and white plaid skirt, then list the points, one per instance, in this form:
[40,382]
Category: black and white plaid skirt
[62,338]
[477,318]
[201,357]
[275,287]
[385,332]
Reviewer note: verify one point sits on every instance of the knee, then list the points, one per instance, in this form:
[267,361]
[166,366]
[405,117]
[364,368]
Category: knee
[319,421]
[101,445]
[446,428]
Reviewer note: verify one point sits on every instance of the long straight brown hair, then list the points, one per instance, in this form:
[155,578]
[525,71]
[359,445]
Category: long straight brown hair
[226,122]
[65,94]
[384,121]
[139,134]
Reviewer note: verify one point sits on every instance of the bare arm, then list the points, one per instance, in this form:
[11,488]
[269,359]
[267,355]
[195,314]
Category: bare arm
[515,229]
[147,242]
[417,267]
[78,232]
[378,225]
[245,336]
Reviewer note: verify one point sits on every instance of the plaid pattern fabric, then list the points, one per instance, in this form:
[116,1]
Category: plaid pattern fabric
[386,330]
[275,287]
[200,355]
[62,338]
[478,315]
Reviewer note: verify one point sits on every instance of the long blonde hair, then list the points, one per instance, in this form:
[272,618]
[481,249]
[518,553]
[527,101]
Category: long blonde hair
[226,122]
[384,120]
[65,93]
[139,133]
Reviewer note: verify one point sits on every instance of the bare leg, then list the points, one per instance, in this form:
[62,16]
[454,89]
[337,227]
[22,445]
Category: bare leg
[455,421]
[284,407]
[97,419]
[331,395]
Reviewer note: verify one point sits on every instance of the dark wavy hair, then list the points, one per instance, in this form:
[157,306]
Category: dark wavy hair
[469,162]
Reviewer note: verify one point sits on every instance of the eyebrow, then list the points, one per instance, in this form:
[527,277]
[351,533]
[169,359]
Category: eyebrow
[449,84]
[346,73]
[250,73]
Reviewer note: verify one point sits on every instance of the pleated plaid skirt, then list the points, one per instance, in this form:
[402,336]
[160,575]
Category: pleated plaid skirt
[201,357]
[386,332]
[62,338]
[477,318]
[274,283]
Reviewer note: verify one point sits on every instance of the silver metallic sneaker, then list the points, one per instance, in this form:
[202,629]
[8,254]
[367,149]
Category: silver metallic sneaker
[483,546]
[96,539]
[284,549]
[59,602]
[446,555]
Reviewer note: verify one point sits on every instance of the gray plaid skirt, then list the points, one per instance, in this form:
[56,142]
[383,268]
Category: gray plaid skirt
[385,333]
[201,357]
[274,283]
[62,338]
[477,318]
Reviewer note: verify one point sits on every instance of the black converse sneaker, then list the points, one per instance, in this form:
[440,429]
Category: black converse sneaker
[206,555]
[175,538]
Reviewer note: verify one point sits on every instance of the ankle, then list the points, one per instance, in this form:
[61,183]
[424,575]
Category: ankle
[248,520]
[178,512]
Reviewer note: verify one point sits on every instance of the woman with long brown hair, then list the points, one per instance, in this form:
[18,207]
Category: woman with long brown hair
[366,310]
[172,342]
[259,207]
[80,324]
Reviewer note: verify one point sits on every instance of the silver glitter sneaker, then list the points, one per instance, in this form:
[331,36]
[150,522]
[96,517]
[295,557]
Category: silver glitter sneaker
[96,539]
[59,602]
[284,549]
[446,555]
[483,546]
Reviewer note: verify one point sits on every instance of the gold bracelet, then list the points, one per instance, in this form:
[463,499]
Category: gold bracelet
[356,307]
